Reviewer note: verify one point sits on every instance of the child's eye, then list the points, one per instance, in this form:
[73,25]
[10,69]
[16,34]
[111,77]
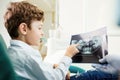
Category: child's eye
[39,28]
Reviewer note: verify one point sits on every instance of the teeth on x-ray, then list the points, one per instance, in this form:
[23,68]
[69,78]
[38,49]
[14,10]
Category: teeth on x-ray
[88,47]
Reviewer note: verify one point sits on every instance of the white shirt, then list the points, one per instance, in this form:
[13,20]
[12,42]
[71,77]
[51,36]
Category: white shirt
[28,63]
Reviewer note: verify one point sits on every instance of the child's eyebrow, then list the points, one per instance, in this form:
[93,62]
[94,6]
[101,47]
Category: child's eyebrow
[9,9]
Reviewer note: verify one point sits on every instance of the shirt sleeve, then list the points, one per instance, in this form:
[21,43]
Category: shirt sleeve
[41,70]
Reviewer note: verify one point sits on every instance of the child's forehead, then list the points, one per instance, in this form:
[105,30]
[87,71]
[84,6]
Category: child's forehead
[37,22]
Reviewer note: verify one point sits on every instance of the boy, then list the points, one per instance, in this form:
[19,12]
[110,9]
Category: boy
[24,23]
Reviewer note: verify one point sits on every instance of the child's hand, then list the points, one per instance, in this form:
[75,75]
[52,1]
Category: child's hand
[55,65]
[68,76]
[72,50]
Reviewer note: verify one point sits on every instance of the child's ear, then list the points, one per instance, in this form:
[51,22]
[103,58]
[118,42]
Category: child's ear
[23,28]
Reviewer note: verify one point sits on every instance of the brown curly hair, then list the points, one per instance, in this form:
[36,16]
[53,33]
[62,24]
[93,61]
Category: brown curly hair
[22,12]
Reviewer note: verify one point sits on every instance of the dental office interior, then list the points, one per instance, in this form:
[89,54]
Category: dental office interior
[64,18]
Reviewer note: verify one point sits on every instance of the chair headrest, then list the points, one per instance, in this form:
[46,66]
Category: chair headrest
[6,68]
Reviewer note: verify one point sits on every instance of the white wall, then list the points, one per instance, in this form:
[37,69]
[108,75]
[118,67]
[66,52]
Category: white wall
[114,45]
[3,31]
[101,13]
[71,16]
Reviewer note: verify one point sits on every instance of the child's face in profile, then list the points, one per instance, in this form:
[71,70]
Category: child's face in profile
[35,33]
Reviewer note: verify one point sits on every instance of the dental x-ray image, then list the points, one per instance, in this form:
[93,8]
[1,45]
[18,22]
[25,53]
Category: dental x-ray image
[93,46]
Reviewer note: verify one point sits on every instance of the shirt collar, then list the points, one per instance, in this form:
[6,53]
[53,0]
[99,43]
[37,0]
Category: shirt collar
[22,44]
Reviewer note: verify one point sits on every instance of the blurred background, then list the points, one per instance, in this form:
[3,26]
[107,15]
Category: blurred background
[64,18]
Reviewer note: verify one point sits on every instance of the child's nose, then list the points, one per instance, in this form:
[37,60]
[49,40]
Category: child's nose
[42,33]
